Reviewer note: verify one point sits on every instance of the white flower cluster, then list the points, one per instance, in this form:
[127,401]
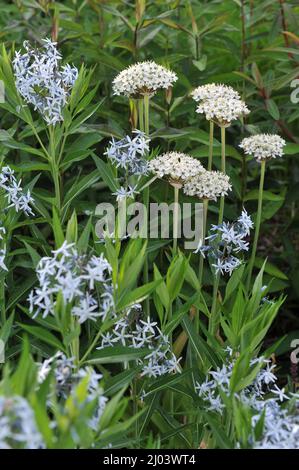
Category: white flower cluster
[280,428]
[143,334]
[219,103]
[78,278]
[18,428]
[208,185]
[128,153]
[214,90]
[143,78]
[227,239]
[263,146]
[42,82]
[2,250]
[14,193]
[176,167]
[67,377]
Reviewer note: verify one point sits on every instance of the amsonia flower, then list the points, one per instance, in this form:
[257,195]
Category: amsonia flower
[83,281]
[42,81]
[15,195]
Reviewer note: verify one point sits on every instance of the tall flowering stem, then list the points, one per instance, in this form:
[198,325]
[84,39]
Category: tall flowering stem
[175,218]
[54,167]
[146,194]
[211,140]
[262,147]
[214,316]
[140,114]
[204,228]
[257,222]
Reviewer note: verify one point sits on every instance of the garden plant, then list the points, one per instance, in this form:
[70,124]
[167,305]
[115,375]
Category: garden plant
[116,333]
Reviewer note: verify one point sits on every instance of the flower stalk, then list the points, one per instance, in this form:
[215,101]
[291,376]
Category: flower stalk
[145,120]
[54,167]
[214,319]
[211,140]
[204,228]
[175,218]
[257,223]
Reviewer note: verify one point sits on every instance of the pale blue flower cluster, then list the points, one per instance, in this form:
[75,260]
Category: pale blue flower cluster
[14,193]
[84,282]
[143,333]
[129,152]
[227,240]
[67,377]
[42,82]
[263,396]
[18,429]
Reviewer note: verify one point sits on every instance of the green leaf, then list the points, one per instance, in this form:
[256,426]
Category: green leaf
[201,348]
[106,173]
[137,295]
[44,335]
[116,354]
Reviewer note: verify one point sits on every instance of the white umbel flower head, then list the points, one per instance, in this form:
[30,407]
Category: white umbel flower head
[223,110]
[208,185]
[143,78]
[220,103]
[176,167]
[214,90]
[263,146]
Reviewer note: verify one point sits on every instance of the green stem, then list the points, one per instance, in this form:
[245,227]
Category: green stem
[214,318]
[91,347]
[204,228]
[141,115]
[146,114]
[175,219]
[54,168]
[211,140]
[171,395]
[222,149]
[257,223]
[146,196]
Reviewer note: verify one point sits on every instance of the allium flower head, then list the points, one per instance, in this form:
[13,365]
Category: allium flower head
[212,91]
[208,185]
[176,167]
[263,146]
[42,82]
[220,103]
[223,110]
[143,78]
